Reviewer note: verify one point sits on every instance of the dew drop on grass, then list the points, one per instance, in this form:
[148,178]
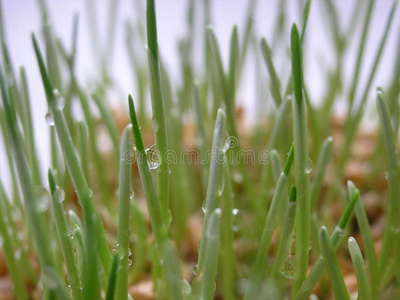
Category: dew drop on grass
[154,124]
[204,206]
[288,268]
[129,263]
[309,166]
[153,157]
[221,186]
[114,249]
[195,270]
[59,99]
[49,119]
[236,220]
[131,195]
[60,195]
[186,287]
[43,199]
[227,144]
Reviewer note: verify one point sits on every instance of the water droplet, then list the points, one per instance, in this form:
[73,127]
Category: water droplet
[288,268]
[129,262]
[153,157]
[226,145]
[195,270]
[59,99]
[115,248]
[129,252]
[43,199]
[131,195]
[17,254]
[309,166]
[236,220]
[221,186]
[186,287]
[60,195]
[49,119]
[204,206]
[237,177]
[386,175]
[154,124]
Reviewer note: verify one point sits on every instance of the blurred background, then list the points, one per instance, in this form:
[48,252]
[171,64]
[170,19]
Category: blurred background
[22,17]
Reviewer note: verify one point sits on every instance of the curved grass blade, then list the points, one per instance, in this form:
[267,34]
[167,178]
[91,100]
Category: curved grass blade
[85,194]
[332,265]
[361,274]
[275,84]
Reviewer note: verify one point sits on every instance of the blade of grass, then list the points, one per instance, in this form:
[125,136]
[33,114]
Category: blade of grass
[302,176]
[8,248]
[112,288]
[368,242]
[160,232]
[85,194]
[332,265]
[215,184]
[55,283]
[275,84]
[336,237]
[159,123]
[392,219]
[211,256]
[324,158]
[286,235]
[227,256]
[64,235]
[35,218]
[124,194]
[358,263]
[260,264]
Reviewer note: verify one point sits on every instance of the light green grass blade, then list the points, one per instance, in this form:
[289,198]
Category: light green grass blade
[64,235]
[124,195]
[302,176]
[361,274]
[392,210]
[332,265]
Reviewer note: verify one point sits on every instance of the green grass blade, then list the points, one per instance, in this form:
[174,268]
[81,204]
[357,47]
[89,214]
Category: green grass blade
[336,237]
[8,248]
[227,257]
[275,85]
[85,194]
[35,218]
[124,194]
[392,210]
[64,235]
[160,232]
[260,264]
[306,12]
[112,288]
[324,158]
[368,242]
[159,123]
[332,265]
[211,256]
[55,283]
[302,176]
[361,274]
[214,181]
[234,57]
[138,223]
[286,234]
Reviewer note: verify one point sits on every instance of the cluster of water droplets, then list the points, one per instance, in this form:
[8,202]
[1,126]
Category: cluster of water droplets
[119,250]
